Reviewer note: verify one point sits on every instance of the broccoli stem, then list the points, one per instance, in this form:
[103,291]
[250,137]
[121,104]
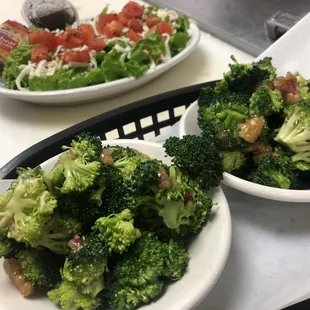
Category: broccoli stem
[281,180]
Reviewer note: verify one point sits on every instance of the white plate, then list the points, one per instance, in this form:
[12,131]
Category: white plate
[209,252]
[104,90]
[188,125]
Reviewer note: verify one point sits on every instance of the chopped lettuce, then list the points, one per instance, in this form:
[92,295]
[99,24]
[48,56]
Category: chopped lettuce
[178,42]
[66,79]
[20,55]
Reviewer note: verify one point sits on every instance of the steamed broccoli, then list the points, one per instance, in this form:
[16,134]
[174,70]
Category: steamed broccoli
[266,101]
[198,158]
[138,275]
[303,87]
[244,78]
[40,267]
[275,171]
[82,277]
[69,296]
[128,163]
[183,207]
[219,115]
[233,161]
[58,232]
[26,207]
[117,231]
[5,243]
[302,160]
[85,146]
[295,131]
[147,175]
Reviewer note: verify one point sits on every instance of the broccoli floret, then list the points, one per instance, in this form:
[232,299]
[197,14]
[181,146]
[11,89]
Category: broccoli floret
[58,232]
[79,176]
[244,78]
[295,131]
[183,207]
[69,296]
[303,87]
[85,146]
[128,163]
[82,277]
[117,231]
[88,264]
[266,101]
[233,161]
[40,267]
[275,171]
[198,158]
[219,115]
[26,207]
[5,243]
[138,275]
[147,176]
[302,160]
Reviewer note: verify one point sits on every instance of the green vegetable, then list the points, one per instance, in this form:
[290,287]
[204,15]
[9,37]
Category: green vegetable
[117,231]
[295,131]
[233,161]
[198,158]
[20,56]
[40,267]
[27,207]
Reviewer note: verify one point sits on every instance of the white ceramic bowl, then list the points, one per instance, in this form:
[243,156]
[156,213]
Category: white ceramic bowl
[104,90]
[209,252]
[188,125]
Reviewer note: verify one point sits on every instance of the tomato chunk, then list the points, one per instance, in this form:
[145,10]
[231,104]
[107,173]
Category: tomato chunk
[74,38]
[103,20]
[39,53]
[113,29]
[88,31]
[122,19]
[45,38]
[133,36]
[164,27]
[97,44]
[81,57]
[133,9]
[152,21]
[135,25]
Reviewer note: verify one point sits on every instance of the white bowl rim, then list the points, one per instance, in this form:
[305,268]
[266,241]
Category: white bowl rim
[248,187]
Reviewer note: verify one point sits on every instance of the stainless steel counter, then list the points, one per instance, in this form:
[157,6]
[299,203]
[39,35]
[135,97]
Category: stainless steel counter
[237,22]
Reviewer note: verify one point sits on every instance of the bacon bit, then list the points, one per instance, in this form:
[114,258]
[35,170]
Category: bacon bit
[140,153]
[76,243]
[69,153]
[163,180]
[189,197]
[251,129]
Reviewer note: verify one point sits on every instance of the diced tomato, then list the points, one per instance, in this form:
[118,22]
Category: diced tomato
[45,38]
[164,27]
[154,28]
[97,44]
[103,20]
[82,57]
[135,25]
[88,31]
[113,29]
[133,36]
[152,21]
[133,9]
[122,19]
[39,53]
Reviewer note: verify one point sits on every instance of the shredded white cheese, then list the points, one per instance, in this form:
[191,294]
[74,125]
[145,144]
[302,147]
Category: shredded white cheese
[164,13]
[93,23]
[93,61]
[153,64]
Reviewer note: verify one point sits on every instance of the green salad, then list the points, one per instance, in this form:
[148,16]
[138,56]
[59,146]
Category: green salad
[112,46]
